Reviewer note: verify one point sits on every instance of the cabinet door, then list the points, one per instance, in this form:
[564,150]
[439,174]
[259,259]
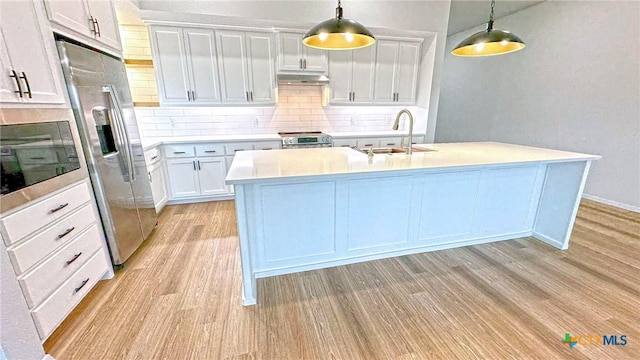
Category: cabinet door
[314,59]
[22,23]
[340,76]
[158,186]
[363,69]
[387,53]
[407,72]
[183,178]
[232,63]
[105,15]
[260,66]
[71,14]
[170,64]
[289,52]
[212,172]
[203,70]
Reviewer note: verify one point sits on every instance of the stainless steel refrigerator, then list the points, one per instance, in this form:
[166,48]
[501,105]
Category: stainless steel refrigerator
[101,101]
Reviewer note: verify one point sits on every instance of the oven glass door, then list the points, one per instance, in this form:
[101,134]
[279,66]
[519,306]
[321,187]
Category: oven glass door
[32,153]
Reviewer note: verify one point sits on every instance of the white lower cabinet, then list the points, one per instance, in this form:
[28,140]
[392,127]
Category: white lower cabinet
[158,186]
[58,252]
[201,175]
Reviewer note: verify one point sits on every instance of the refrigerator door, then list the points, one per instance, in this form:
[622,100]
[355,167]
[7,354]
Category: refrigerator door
[97,84]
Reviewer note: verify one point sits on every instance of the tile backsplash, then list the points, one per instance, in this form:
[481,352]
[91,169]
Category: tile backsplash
[298,108]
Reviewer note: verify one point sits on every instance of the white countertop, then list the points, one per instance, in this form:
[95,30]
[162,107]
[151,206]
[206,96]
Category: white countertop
[251,166]
[153,142]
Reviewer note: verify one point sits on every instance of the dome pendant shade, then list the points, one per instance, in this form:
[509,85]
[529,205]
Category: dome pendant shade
[339,34]
[489,42]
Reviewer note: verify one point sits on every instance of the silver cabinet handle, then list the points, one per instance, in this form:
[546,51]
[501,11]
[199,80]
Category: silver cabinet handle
[95,20]
[193,95]
[304,64]
[150,179]
[194,165]
[300,63]
[354,96]
[26,81]
[251,92]
[93,25]
[199,168]
[247,94]
[179,152]
[154,157]
[188,95]
[209,151]
[14,75]
[82,285]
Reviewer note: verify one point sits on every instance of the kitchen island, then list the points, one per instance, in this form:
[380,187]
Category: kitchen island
[306,209]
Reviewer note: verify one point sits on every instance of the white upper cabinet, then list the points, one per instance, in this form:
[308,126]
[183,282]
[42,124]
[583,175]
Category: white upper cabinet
[246,66]
[31,72]
[352,74]
[295,56]
[92,22]
[396,75]
[185,65]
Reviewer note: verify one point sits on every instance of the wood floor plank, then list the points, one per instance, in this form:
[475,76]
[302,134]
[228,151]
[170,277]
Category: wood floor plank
[179,297]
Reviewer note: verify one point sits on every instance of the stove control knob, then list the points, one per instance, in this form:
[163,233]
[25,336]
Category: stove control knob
[326,139]
[288,140]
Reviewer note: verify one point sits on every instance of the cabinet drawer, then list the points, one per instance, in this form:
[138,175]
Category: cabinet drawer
[44,279]
[152,156]
[231,149]
[210,150]
[367,143]
[344,143]
[391,142]
[177,151]
[56,307]
[33,217]
[33,250]
[266,145]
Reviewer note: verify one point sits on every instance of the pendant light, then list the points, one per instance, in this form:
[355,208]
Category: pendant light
[489,42]
[339,34]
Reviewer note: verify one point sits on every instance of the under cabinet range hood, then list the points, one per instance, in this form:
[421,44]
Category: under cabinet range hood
[303,79]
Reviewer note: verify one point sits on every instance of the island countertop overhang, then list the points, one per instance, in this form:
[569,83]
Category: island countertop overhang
[291,165]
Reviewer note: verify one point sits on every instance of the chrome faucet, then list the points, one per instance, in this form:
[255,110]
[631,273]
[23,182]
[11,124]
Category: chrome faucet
[395,127]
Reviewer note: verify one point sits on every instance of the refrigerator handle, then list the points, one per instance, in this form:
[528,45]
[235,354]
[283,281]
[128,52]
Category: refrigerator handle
[120,120]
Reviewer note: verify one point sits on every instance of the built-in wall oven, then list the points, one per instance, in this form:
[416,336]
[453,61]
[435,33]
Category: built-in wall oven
[39,154]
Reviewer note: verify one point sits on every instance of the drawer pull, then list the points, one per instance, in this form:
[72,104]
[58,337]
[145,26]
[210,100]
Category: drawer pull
[75,257]
[66,232]
[179,152]
[267,149]
[37,158]
[209,151]
[368,144]
[391,144]
[154,157]
[82,285]
[236,150]
[59,208]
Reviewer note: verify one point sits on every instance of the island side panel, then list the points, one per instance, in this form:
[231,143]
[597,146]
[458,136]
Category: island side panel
[243,217]
[559,202]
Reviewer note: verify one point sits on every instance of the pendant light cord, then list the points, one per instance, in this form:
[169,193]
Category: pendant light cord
[339,10]
[490,23]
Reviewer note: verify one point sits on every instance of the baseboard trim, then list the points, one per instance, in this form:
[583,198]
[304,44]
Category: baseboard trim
[48,357]
[611,203]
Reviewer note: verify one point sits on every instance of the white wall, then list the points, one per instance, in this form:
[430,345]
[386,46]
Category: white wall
[576,86]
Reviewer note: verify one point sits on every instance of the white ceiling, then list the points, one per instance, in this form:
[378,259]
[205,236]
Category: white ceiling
[466,14]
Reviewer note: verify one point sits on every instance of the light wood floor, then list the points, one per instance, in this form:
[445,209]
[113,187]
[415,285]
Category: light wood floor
[179,298]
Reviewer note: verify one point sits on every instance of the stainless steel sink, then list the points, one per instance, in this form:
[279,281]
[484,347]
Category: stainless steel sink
[385,150]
